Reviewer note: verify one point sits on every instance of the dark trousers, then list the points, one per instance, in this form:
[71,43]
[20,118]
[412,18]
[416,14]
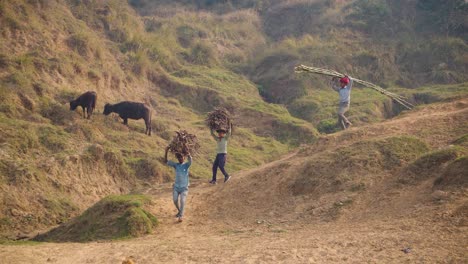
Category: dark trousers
[219,162]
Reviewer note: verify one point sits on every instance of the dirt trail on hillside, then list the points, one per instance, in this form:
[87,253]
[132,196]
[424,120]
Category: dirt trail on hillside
[239,222]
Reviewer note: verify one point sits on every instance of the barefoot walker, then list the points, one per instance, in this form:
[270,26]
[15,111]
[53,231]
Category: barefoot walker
[181,181]
[221,148]
[344,89]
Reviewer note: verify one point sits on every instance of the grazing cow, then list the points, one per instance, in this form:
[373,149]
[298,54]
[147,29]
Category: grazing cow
[132,110]
[86,101]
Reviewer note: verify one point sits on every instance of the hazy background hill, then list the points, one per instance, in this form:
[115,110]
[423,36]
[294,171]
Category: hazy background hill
[183,58]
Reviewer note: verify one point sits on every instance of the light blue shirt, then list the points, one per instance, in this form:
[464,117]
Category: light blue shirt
[182,173]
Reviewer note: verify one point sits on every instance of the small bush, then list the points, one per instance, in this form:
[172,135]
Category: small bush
[328,126]
[187,35]
[304,109]
[132,45]
[203,54]
[57,113]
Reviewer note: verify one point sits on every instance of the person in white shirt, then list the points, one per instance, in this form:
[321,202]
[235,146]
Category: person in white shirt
[344,90]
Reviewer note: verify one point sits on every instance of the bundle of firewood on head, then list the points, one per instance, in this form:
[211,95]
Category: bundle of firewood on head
[184,143]
[219,120]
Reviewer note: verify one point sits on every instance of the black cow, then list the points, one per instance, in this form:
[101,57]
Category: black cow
[86,101]
[132,110]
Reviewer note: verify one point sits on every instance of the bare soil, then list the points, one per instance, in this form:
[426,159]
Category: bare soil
[255,218]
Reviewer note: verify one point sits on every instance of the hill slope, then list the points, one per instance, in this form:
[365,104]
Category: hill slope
[55,164]
[183,60]
[365,206]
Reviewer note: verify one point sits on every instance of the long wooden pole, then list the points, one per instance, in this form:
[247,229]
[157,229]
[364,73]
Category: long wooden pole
[397,98]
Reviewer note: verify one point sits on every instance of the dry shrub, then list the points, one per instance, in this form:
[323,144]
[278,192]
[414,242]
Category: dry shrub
[57,113]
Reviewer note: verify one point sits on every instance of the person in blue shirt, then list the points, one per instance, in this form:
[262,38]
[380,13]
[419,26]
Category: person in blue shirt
[344,90]
[221,150]
[181,182]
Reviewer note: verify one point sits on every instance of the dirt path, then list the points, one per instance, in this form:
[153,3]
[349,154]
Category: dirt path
[216,231]
[203,240]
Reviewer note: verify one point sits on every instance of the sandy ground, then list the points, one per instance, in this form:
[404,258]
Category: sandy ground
[222,226]
[203,240]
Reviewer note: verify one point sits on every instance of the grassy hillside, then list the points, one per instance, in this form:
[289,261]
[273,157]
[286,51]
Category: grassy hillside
[371,40]
[54,164]
[182,59]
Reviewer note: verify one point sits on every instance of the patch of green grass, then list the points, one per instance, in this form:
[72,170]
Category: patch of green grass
[114,217]
[398,150]
[8,242]
[437,158]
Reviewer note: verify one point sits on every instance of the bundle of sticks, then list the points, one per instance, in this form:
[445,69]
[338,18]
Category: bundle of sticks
[184,143]
[397,98]
[219,119]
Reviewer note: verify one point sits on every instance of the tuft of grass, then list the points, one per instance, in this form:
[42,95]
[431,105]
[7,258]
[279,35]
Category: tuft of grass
[454,175]
[58,114]
[431,164]
[203,54]
[114,217]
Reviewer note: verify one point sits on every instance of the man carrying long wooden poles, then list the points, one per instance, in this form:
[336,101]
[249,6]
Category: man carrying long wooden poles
[344,90]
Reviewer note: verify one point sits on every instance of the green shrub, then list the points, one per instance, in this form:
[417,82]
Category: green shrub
[328,126]
[203,54]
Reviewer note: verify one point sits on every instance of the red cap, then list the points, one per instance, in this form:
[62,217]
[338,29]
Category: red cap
[344,80]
